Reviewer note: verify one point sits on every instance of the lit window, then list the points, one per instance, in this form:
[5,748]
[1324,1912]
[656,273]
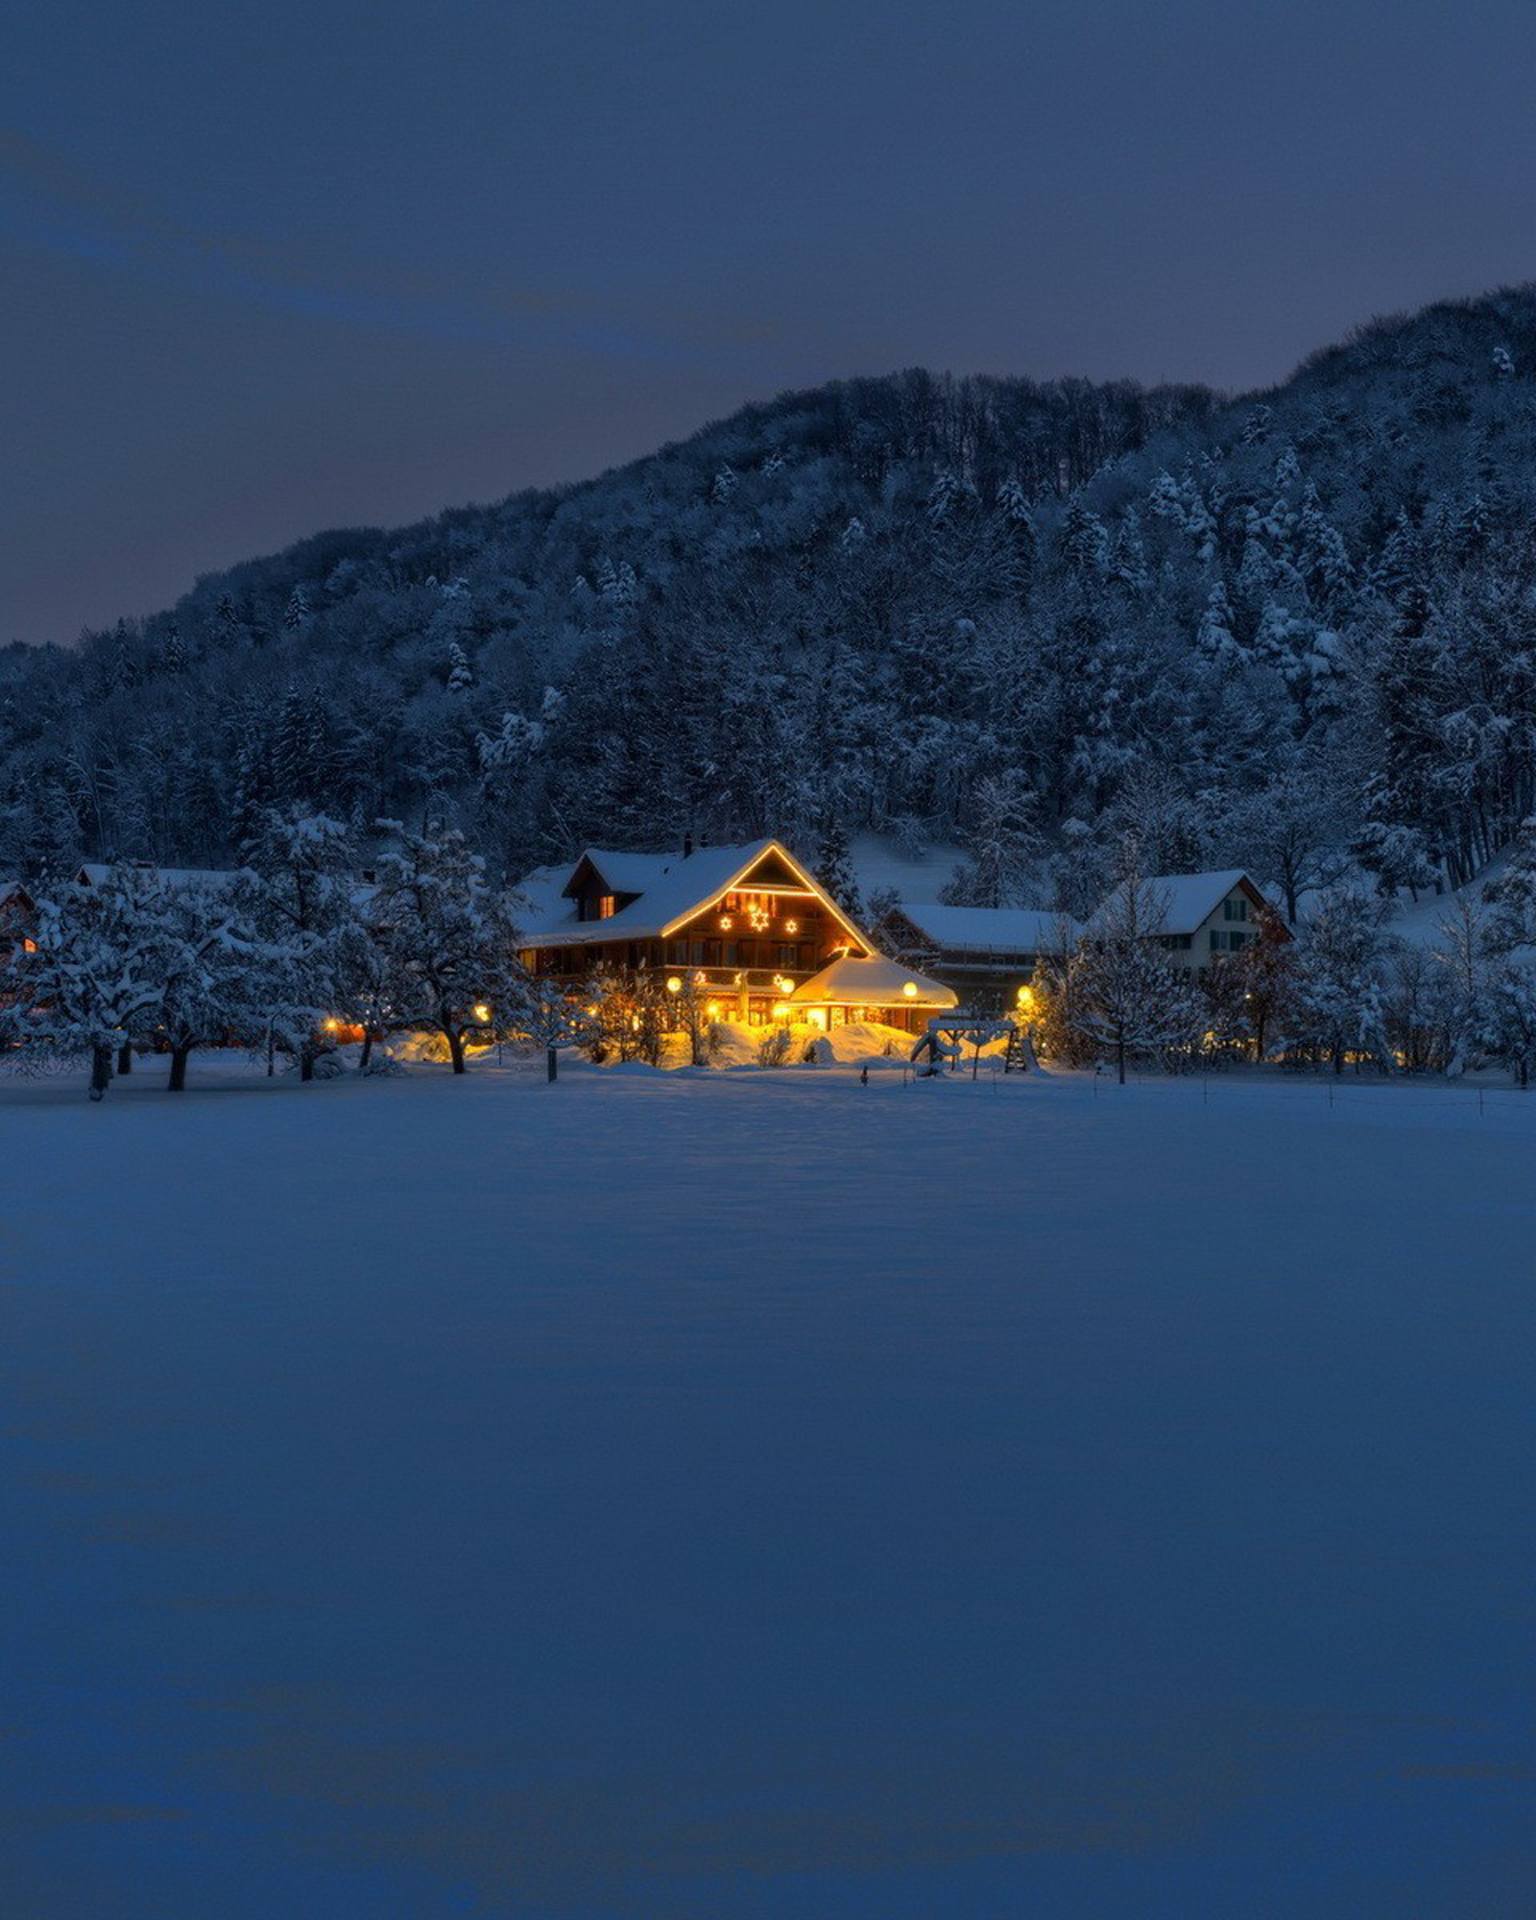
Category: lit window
[605,906]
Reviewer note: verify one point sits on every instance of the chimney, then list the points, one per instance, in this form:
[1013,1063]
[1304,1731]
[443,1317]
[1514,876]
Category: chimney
[687,845]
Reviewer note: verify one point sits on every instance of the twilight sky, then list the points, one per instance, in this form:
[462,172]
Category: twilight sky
[267,268]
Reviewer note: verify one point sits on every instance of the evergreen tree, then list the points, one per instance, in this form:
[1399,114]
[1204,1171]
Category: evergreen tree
[833,866]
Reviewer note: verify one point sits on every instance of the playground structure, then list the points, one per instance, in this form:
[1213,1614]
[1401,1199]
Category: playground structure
[946,1035]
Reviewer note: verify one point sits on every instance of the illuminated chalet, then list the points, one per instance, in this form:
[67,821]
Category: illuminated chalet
[747,927]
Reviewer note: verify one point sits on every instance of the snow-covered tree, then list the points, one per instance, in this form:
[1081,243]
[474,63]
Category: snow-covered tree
[1003,846]
[448,938]
[297,898]
[460,674]
[1513,920]
[1340,988]
[546,1014]
[91,979]
[210,973]
[1126,996]
[1509,1017]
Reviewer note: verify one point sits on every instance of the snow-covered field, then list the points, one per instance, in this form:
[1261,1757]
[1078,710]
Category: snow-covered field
[767,1495]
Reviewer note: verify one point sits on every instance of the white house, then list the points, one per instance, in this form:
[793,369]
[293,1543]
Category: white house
[1203,916]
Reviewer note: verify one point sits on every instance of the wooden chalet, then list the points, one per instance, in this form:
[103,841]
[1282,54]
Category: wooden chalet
[747,927]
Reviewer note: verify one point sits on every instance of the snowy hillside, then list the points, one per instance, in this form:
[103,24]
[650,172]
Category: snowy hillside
[1278,632]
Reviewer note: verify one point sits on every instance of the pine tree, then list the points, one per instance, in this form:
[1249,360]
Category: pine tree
[833,866]
[460,676]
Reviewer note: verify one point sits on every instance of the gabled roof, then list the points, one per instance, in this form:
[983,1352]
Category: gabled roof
[1188,900]
[622,872]
[987,930]
[876,982]
[675,887]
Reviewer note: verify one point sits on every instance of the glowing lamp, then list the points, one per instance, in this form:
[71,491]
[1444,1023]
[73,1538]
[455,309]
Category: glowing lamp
[726,923]
[781,1010]
[482,1013]
[674,985]
[791,926]
[909,988]
[332,1025]
[713,1009]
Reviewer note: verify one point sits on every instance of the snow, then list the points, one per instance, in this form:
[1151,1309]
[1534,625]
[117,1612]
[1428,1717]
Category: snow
[880,864]
[766,1495]
[1183,902]
[989,930]
[871,982]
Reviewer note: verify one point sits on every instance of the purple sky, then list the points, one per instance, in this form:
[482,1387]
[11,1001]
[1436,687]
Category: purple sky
[268,268]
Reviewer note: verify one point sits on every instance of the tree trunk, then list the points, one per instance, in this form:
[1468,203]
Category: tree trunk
[125,1058]
[455,1047]
[1120,1058]
[306,1062]
[178,1080]
[367,1055]
[101,1071]
[552,1063]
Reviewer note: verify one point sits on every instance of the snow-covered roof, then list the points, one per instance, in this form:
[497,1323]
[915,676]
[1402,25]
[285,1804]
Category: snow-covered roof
[671,887]
[987,930]
[214,879]
[875,982]
[1187,900]
[629,872]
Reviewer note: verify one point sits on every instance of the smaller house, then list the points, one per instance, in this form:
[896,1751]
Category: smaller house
[983,954]
[1204,916]
[851,988]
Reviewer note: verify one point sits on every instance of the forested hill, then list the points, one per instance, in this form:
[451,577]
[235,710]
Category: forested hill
[1277,631]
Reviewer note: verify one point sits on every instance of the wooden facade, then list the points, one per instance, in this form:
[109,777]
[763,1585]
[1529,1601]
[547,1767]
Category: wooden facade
[741,928]
[744,948]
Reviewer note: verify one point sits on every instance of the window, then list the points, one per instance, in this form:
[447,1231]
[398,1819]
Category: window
[1218,941]
[605,906]
[1176,942]
[789,954]
[1235,909]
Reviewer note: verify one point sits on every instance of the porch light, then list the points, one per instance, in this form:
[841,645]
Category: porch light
[482,1012]
[909,988]
[781,1010]
[674,985]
